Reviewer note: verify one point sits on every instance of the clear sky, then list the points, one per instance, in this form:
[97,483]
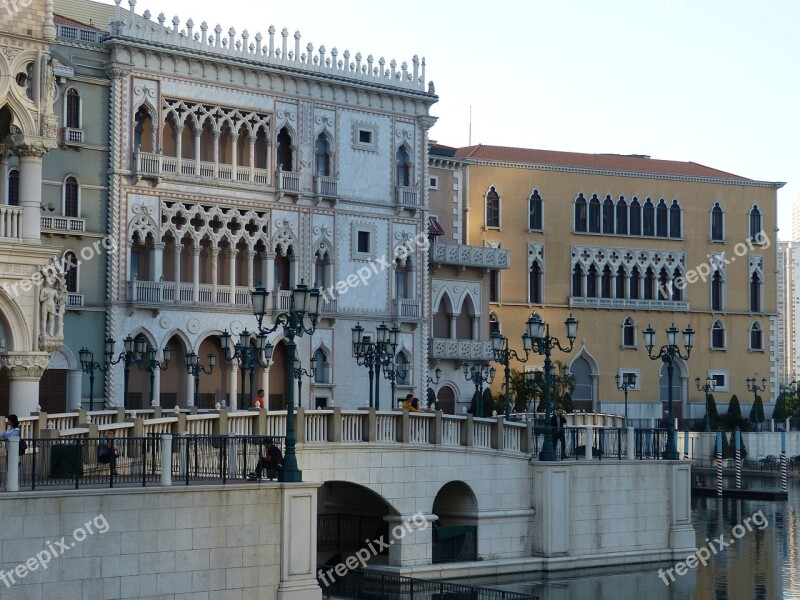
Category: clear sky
[710,81]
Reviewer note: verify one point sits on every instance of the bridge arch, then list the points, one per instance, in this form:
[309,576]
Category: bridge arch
[455,533]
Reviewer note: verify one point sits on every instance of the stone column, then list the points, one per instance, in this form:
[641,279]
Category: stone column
[214,270]
[269,281]
[216,154]
[158,261]
[3,177]
[298,542]
[189,389]
[157,388]
[233,385]
[453,320]
[250,264]
[197,133]
[24,372]
[234,156]
[177,269]
[30,189]
[75,388]
[252,141]
[232,275]
[179,148]
[196,273]
[265,384]
[411,539]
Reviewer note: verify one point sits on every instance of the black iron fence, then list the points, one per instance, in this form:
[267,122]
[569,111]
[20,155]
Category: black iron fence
[350,532]
[606,443]
[103,461]
[370,585]
[455,543]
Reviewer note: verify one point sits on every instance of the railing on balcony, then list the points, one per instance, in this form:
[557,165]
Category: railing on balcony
[10,222]
[629,303]
[327,187]
[288,181]
[282,300]
[407,308]
[72,136]
[155,292]
[71,224]
[149,164]
[74,300]
[79,34]
[446,348]
[469,256]
[407,196]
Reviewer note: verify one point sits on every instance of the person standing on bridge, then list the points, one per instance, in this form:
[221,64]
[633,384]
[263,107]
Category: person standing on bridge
[558,422]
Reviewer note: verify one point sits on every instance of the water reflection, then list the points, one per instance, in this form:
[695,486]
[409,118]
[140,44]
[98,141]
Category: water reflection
[761,562]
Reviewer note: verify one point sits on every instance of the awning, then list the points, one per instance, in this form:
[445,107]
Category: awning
[434,228]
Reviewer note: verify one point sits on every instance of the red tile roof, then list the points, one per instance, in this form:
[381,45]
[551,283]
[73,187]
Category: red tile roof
[595,162]
[434,227]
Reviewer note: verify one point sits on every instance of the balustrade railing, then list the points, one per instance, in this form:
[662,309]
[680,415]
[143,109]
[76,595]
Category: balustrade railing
[10,222]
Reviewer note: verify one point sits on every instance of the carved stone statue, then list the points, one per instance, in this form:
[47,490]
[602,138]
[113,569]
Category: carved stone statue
[47,302]
[53,307]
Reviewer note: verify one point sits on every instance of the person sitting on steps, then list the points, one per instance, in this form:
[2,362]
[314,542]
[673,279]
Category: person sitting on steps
[107,452]
[270,459]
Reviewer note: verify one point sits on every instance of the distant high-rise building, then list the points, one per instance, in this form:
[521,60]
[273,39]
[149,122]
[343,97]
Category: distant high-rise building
[788,305]
[796,219]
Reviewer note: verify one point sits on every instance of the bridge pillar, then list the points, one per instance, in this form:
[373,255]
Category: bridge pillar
[298,542]
[551,497]
[410,539]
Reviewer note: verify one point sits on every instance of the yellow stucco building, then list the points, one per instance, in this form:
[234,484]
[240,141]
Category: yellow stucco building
[623,242]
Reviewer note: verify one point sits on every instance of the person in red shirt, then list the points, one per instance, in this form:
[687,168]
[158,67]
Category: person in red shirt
[260,401]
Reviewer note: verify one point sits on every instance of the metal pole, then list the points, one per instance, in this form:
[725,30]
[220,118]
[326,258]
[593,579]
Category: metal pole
[300,390]
[290,471]
[625,387]
[707,426]
[91,389]
[548,450]
[243,366]
[125,387]
[371,375]
[671,452]
[252,384]
[152,383]
[393,400]
[479,385]
[196,387]
[719,464]
[508,383]
[377,379]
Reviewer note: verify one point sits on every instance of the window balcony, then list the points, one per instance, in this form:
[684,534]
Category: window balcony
[460,350]
[627,303]
[155,166]
[74,301]
[462,255]
[169,292]
[406,196]
[10,222]
[408,309]
[71,136]
[326,187]
[288,182]
[63,224]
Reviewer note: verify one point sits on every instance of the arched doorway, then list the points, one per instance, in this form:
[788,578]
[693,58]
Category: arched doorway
[679,379]
[455,533]
[446,397]
[583,395]
[173,380]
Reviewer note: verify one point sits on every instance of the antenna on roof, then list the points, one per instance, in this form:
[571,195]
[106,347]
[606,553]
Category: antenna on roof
[469,143]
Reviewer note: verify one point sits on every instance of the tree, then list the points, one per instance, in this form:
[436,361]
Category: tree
[733,418]
[780,413]
[431,400]
[713,414]
[563,384]
[521,392]
[757,411]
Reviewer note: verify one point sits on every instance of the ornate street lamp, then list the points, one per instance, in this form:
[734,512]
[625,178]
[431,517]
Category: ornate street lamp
[393,374]
[667,354]
[194,368]
[128,355]
[625,383]
[537,338]
[375,354]
[478,374]
[246,357]
[89,365]
[298,374]
[147,361]
[709,386]
[504,356]
[305,308]
[752,386]
[438,373]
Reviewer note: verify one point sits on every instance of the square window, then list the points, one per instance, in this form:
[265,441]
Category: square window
[362,244]
[364,136]
[433,183]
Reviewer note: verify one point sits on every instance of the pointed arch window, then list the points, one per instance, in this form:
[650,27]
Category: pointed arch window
[755,293]
[675,227]
[649,284]
[717,335]
[494,285]
[629,333]
[577,281]
[648,219]
[635,280]
[620,281]
[591,282]
[321,372]
[717,291]
[494,324]
[143,138]
[606,282]
[535,220]
[322,156]
[662,218]
[72,116]
[71,197]
[608,215]
[403,165]
[664,284]
[717,223]
[622,216]
[13,187]
[284,150]
[756,337]
[755,222]
[492,208]
[580,214]
[636,217]
[535,284]
[677,290]
[594,214]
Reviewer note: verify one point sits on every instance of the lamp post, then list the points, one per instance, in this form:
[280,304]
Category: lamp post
[503,355]
[147,361]
[375,354]
[128,355]
[392,373]
[89,365]
[438,373]
[298,374]
[752,386]
[305,307]
[667,354]
[479,373]
[194,368]
[537,338]
[247,357]
[625,383]
[709,386]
